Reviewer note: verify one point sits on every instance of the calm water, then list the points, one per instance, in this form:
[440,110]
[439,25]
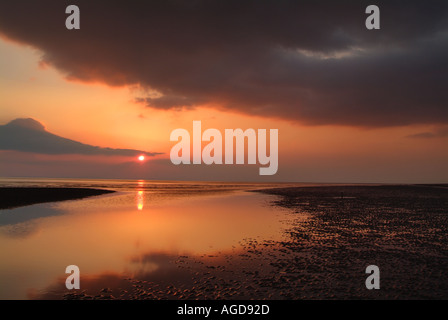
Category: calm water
[124,234]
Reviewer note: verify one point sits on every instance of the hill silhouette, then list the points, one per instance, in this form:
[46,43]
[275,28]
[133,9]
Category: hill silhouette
[29,135]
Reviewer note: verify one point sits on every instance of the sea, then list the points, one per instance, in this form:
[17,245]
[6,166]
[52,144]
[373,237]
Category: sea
[117,234]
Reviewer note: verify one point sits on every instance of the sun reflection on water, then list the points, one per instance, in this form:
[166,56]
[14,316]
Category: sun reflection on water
[140,195]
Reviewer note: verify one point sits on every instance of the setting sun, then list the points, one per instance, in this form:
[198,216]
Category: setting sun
[141,158]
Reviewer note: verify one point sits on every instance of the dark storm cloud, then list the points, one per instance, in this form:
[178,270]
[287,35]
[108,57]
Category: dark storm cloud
[29,135]
[312,62]
[169,102]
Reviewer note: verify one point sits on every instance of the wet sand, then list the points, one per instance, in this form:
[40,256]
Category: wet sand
[401,229]
[19,197]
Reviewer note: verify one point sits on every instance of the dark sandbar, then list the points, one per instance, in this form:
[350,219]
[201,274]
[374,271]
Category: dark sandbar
[18,197]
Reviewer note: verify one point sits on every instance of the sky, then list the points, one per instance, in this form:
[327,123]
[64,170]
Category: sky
[350,104]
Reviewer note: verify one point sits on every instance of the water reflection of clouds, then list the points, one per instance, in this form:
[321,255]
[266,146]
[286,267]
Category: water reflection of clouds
[23,222]
[23,214]
[20,230]
[156,267]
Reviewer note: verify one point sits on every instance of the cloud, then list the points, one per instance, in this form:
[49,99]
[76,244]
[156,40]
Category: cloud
[440,132]
[169,102]
[312,62]
[423,135]
[29,135]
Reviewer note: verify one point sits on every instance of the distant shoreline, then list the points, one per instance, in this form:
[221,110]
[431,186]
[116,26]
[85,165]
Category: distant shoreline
[13,197]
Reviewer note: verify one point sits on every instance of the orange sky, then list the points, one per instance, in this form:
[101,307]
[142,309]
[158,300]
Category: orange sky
[96,114]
